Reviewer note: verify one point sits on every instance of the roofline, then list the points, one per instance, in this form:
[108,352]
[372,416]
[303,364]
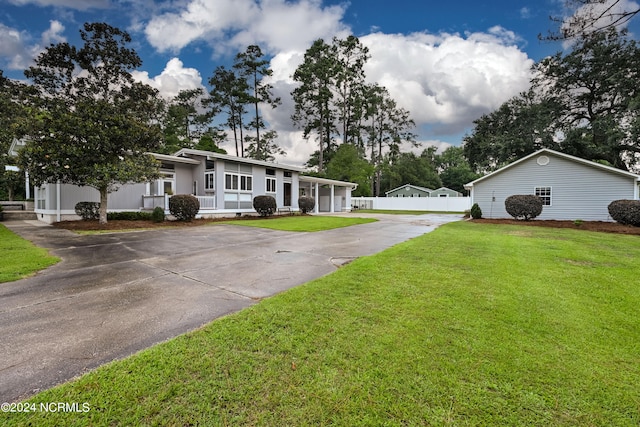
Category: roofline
[428,190]
[586,162]
[169,158]
[327,181]
[212,155]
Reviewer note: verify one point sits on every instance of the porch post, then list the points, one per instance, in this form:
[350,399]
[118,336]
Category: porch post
[332,210]
[27,185]
[316,208]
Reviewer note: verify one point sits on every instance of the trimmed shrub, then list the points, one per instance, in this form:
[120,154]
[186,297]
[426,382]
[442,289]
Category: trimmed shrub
[265,205]
[523,206]
[129,216]
[88,210]
[476,212]
[306,204]
[184,207]
[158,214]
[625,212]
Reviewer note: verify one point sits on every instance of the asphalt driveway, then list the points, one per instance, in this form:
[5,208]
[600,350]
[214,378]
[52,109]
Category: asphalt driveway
[115,294]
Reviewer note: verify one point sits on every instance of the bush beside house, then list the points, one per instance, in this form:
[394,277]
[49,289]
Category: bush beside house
[265,205]
[306,204]
[184,207]
[523,206]
[87,210]
[625,212]
[476,212]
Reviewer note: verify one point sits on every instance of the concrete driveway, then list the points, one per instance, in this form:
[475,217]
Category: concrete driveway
[115,294]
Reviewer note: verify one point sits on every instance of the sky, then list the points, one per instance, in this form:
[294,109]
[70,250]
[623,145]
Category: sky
[446,63]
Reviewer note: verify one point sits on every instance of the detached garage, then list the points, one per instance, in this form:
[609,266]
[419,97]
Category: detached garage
[570,187]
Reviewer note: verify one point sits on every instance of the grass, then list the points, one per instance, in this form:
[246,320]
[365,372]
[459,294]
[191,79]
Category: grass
[302,222]
[472,324]
[402,212]
[19,258]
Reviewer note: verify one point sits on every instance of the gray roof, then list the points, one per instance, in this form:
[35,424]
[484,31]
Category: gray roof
[558,154]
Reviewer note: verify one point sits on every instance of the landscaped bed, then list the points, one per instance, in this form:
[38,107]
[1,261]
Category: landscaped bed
[601,226]
[472,324]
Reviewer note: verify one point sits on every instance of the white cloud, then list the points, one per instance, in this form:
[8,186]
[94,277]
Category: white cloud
[229,25]
[445,80]
[73,4]
[20,50]
[174,78]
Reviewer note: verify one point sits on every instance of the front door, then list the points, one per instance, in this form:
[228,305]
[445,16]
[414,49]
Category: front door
[287,194]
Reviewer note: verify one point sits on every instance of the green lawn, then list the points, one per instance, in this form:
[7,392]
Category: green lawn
[302,222]
[19,258]
[473,324]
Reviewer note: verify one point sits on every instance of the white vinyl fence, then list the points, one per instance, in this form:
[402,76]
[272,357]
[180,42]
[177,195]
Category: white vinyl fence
[434,204]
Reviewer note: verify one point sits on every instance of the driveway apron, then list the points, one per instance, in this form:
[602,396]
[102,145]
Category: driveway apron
[115,294]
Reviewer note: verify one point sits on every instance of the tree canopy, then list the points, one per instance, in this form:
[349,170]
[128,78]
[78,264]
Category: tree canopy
[593,16]
[584,102]
[92,124]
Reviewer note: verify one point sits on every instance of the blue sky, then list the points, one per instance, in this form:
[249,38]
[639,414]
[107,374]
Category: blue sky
[447,63]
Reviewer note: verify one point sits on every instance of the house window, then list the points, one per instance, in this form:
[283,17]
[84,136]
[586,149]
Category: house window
[210,180]
[234,181]
[271,185]
[271,172]
[545,194]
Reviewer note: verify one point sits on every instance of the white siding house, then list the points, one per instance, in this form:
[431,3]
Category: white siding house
[571,188]
[225,186]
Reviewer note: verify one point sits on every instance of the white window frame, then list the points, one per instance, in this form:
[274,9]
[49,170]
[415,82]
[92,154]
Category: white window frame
[545,193]
[239,182]
[271,185]
[210,180]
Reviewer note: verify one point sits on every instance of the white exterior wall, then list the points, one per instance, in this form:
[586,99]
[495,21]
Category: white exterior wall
[434,204]
[578,191]
[127,198]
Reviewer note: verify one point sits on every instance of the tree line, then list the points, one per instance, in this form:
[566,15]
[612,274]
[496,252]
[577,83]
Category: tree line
[89,122]
[584,102]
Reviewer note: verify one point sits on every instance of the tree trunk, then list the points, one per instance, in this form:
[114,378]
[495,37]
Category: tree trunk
[103,205]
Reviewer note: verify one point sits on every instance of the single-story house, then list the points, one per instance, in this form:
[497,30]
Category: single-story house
[409,190]
[225,186]
[445,192]
[571,188]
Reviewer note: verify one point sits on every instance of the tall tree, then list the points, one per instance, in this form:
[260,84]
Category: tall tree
[94,125]
[313,112]
[184,123]
[407,168]
[518,127]
[454,169]
[228,95]
[348,164]
[388,127]
[268,148]
[350,56]
[596,85]
[593,16]
[253,68]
